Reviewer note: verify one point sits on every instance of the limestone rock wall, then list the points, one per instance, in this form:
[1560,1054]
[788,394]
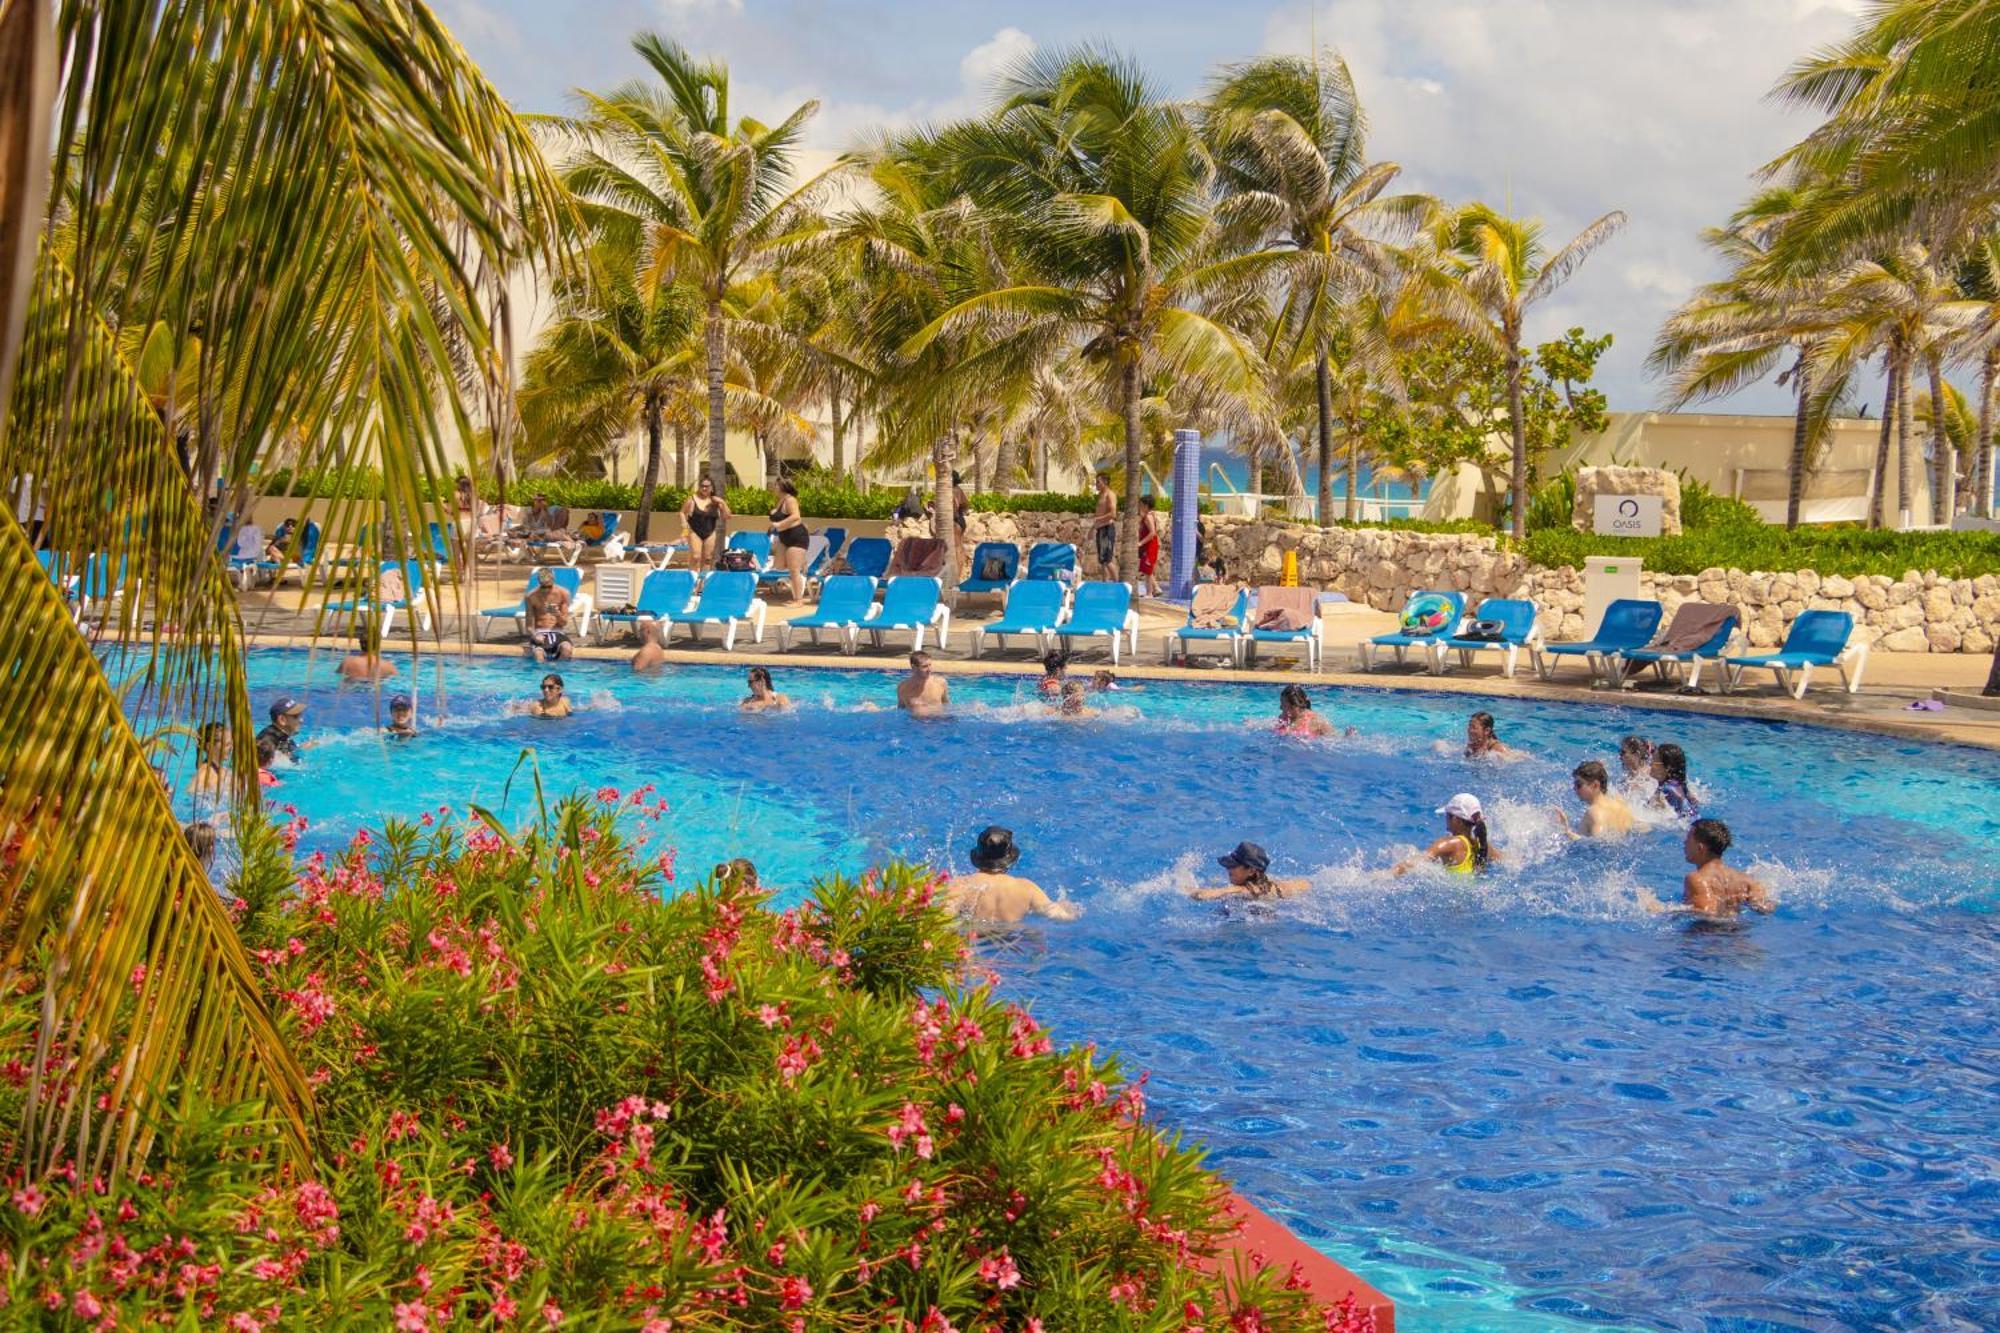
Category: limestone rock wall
[1592,482]
[1919,612]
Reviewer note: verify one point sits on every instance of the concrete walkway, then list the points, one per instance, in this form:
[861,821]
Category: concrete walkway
[1893,680]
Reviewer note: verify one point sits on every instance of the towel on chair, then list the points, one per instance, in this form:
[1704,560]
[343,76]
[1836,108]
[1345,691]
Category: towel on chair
[917,555]
[1693,625]
[1212,604]
[1286,609]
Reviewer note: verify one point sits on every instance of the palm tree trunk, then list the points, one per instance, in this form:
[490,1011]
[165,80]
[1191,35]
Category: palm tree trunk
[1982,464]
[1795,479]
[1253,467]
[1041,464]
[1518,427]
[1906,455]
[1135,445]
[1353,471]
[718,440]
[944,525]
[839,429]
[1944,455]
[1323,382]
[651,479]
[680,455]
[1006,460]
[978,472]
[1879,504]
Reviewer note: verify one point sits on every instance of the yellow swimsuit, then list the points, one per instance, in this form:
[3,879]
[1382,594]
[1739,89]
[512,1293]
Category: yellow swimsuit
[1466,866]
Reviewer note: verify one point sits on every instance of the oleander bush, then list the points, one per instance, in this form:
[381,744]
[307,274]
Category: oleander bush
[549,1095]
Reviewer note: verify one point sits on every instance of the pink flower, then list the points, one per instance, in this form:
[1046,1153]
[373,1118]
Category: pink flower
[552,1314]
[770,1015]
[999,1271]
[30,1200]
[412,1317]
[86,1305]
[794,1292]
[501,1156]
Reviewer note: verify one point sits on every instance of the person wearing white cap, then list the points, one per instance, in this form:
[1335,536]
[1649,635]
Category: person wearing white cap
[1465,848]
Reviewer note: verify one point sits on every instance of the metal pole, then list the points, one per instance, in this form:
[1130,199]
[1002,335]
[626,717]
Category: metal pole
[1187,511]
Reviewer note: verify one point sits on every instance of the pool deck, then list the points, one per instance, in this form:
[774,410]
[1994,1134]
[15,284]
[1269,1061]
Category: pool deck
[1893,680]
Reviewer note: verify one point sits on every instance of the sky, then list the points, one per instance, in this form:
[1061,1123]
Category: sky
[1556,109]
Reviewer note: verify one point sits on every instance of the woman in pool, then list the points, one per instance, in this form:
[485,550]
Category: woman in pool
[762,697]
[1466,848]
[1249,868]
[213,742]
[1635,753]
[1296,716]
[1050,686]
[553,703]
[1483,742]
[1670,772]
[706,518]
[790,538]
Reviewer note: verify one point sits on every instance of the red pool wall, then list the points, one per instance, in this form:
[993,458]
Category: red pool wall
[1264,1241]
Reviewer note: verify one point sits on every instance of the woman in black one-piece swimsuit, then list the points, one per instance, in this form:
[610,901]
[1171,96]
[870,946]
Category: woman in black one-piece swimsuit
[788,527]
[707,518]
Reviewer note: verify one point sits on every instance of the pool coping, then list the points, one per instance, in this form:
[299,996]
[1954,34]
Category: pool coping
[1262,1241]
[1823,712]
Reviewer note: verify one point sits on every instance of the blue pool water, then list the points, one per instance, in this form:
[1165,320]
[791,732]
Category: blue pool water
[1515,1103]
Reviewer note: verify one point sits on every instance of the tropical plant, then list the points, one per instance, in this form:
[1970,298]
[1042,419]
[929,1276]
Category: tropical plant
[321,193]
[708,200]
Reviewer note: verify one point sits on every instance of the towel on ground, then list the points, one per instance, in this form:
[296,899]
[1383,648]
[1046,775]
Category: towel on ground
[1286,609]
[1212,605]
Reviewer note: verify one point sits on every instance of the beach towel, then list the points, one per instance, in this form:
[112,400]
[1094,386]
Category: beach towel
[1692,626]
[917,555]
[1212,604]
[1286,609]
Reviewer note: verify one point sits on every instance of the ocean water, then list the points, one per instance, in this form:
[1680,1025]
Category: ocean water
[1516,1102]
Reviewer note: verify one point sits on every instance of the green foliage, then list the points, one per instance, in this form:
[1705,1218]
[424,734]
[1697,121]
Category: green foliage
[546,1089]
[1842,551]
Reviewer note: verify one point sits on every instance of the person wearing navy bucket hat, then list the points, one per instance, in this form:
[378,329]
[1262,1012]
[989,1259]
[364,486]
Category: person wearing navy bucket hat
[1249,868]
[991,894]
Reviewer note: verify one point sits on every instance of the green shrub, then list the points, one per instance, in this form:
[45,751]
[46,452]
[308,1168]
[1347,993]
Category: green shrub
[547,1094]
[1841,551]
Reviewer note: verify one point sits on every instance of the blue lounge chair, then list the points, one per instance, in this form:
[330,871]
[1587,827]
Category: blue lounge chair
[1101,611]
[308,555]
[571,549]
[1050,560]
[728,598]
[1307,636]
[660,592]
[758,544]
[1628,622]
[1816,639]
[984,554]
[816,546]
[1427,618]
[869,556]
[1516,618]
[1229,636]
[1034,606]
[836,539]
[1671,665]
[412,600]
[910,602]
[568,578]
[844,602]
[99,589]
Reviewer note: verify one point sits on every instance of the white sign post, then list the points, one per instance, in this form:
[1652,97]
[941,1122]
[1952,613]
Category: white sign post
[1626,515]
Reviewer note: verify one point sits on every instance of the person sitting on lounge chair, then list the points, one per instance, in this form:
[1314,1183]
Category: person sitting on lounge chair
[991,894]
[542,523]
[1604,814]
[1249,868]
[762,697]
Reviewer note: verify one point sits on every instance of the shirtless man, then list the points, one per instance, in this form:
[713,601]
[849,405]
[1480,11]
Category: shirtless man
[548,619]
[921,693]
[1104,529]
[1074,702]
[991,894]
[1604,815]
[1249,877]
[1713,889]
[365,662]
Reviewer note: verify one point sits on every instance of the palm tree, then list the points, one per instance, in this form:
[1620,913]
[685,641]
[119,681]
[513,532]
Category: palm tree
[308,189]
[1098,189]
[1289,137]
[709,200]
[1505,269]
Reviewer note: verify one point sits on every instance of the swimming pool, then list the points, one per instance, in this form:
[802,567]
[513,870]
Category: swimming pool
[1512,1103]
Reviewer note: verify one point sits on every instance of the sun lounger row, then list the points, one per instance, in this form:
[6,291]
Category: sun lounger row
[1043,609]
[1242,622]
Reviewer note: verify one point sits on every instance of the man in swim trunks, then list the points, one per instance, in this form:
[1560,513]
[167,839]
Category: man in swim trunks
[1249,877]
[991,894]
[288,715]
[1104,529]
[548,619]
[1604,815]
[923,693]
[1713,889]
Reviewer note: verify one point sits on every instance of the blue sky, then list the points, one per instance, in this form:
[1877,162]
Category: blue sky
[1561,109]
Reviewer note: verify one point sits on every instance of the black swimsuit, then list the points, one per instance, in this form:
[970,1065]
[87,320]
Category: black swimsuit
[796,535]
[701,522]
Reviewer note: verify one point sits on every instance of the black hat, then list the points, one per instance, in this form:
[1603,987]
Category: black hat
[287,704]
[995,849]
[1248,855]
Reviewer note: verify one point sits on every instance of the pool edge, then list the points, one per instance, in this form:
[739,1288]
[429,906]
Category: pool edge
[1261,1241]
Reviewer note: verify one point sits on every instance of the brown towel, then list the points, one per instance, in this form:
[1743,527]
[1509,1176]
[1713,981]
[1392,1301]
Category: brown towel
[1212,604]
[1693,625]
[1286,608]
[917,555]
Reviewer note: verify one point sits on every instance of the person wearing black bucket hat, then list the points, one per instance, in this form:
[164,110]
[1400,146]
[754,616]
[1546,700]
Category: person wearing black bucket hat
[991,894]
[1249,868]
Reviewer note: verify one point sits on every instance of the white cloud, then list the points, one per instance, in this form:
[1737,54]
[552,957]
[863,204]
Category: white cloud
[1566,109]
[984,64]
[680,9]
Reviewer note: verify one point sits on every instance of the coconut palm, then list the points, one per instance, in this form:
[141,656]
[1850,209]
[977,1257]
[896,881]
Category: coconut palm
[1505,269]
[711,200]
[309,189]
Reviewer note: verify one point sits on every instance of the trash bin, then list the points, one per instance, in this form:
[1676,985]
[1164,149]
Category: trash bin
[1606,578]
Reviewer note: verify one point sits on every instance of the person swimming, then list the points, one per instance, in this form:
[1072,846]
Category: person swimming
[1249,867]
[1634,754]
[1605,814]
[989,893]
[553,701]
[1054,666]
[1670,774]
[1075,702]
[1482,741]
[1712,889]
[1296,716]
[402,717]
[762,697]
[1466,847]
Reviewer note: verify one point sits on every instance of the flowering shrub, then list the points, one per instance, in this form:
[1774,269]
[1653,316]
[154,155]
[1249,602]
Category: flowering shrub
[550,1096]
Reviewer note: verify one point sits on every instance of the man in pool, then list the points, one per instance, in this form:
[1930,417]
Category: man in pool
[548,619]
[1249,868]
[1713,889]
[365,663]
[1604,815]
[990,894]
[923,693]
[402,717]
[288,715]
[553,701]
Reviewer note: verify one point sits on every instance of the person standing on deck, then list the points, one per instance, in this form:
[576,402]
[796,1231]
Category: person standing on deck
[1104,528]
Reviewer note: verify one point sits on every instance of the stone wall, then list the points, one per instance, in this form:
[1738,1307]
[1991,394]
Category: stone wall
[1592,482]
[1917,613]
